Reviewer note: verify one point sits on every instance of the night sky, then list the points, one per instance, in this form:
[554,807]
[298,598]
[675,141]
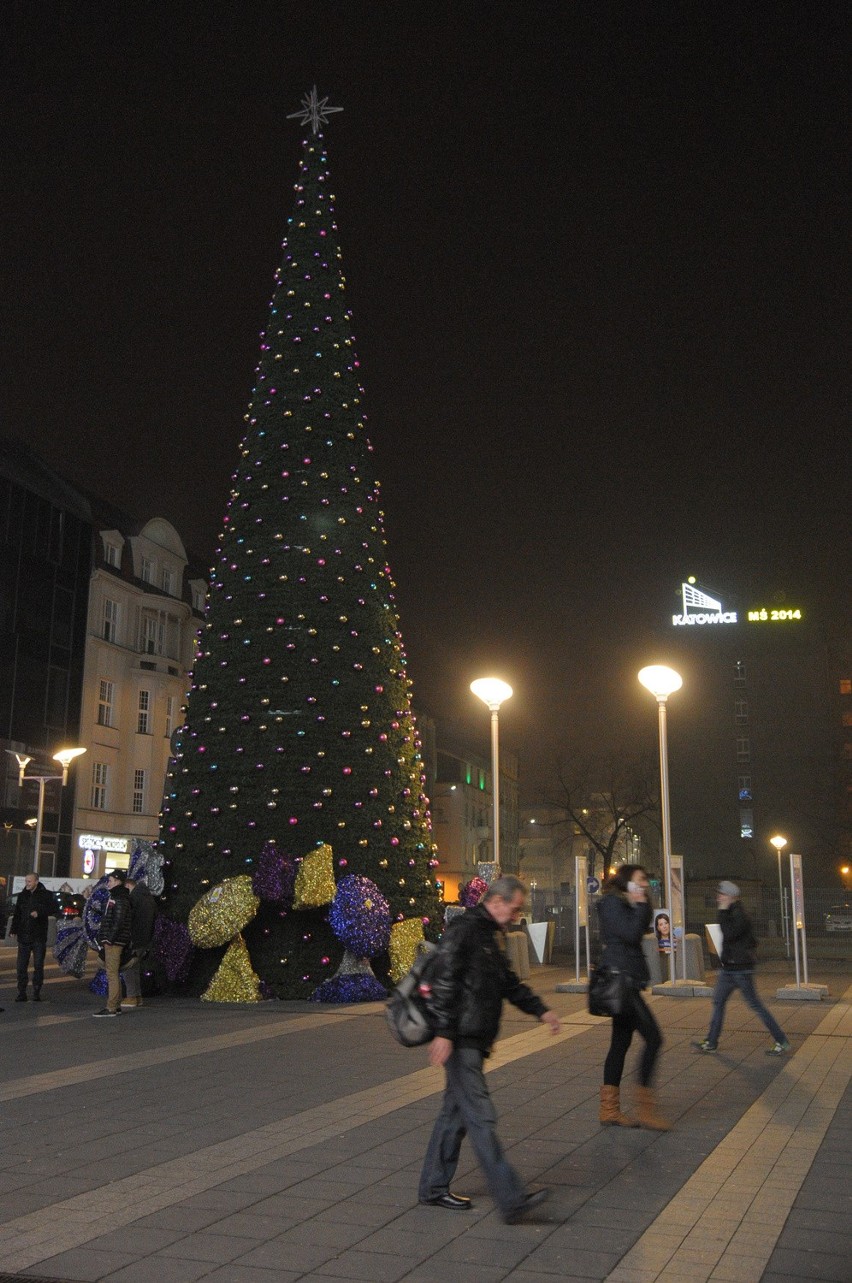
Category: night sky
[597,258]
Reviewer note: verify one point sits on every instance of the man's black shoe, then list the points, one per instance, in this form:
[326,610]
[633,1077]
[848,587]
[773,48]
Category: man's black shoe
[452,1202]
[22,997]
[36,997]
[532,1200]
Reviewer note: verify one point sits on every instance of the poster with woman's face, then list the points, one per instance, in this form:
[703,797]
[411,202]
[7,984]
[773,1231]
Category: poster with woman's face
[663,930]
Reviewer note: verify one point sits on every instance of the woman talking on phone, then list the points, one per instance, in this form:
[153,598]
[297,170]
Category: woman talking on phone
[624,911]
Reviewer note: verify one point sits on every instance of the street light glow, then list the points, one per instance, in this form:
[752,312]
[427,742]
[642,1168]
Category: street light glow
[492,691]
[660,680]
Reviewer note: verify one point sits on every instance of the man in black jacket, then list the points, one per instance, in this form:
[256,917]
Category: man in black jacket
[34,907]
[470,980]
[114,938]
[738,954]
[143,919]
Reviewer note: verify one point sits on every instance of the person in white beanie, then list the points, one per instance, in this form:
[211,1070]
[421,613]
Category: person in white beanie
[738,946]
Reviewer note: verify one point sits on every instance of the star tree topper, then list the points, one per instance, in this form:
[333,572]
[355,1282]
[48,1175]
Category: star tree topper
[315,111]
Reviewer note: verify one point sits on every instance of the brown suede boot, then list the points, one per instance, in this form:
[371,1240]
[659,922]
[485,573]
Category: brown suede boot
[611,1114]
[648,1116]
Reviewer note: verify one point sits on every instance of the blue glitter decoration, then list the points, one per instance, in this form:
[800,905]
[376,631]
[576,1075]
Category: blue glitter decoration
[360,917]
[356,987]
[99,985]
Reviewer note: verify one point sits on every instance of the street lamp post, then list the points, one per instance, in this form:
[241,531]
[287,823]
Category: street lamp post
[65,757]
[662,682]
[779,843]
[493,692]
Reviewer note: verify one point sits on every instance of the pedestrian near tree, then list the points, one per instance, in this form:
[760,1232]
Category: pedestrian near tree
[143,917]
[33,909]
[738,962]
[471,977]
[624,911]
[114,938]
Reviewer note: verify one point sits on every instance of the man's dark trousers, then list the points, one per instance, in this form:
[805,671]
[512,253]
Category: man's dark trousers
[468,1110]
[37,948]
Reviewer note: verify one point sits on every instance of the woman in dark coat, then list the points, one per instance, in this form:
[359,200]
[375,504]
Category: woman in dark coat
[624,911]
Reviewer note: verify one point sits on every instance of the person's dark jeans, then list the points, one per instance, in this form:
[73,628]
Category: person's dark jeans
[726,983]
[468,1110]
[36,948]
[635,1018]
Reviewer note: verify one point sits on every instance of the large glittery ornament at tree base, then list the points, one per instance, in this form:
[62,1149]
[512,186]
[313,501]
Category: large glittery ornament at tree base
[352,982]
[406,939]
[235,981]
[71,949]
[315,883]
[146,865]
[275,876]
[360,917]
[172,949]
[93,910]
[472,892]
[222,912]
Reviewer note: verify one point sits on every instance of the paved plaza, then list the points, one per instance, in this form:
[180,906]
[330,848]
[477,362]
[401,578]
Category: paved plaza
[281,1142]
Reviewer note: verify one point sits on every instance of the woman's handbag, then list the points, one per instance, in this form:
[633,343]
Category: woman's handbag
[608,989]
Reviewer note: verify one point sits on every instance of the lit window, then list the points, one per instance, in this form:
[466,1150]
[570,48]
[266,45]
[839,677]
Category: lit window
[138,792]
[143,724]
[99,786]
[744,788]
[106,692]
[847,718]
[846,686]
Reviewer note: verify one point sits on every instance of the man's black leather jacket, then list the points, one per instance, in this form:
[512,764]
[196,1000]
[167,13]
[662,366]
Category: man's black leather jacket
[471,978]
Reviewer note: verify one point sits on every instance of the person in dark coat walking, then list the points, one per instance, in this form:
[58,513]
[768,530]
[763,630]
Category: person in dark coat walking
[624,911]
[143,917]
[470,980]
[33,909]
[114,938]
[738,959]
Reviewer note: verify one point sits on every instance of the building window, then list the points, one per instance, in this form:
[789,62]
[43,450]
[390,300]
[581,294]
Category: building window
[138,792]
[112,556]
[744,788]
[198,600]
[739,673]
[147,570]
[746,824]
[99,786]
[743,749]
[846,686]
[106,695]
[153,634]
[170,715]
[110,620]
[847,718]
[166,580]
[741,711]
[143,723]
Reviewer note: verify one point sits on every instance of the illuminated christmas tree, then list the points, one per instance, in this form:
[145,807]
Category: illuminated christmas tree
[299,734]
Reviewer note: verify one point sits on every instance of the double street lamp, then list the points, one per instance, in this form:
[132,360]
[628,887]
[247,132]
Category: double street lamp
[64,757]
[662,682]
[493,692]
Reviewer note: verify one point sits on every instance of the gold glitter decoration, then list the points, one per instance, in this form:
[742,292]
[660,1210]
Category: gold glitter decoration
[235,981]
[315,883]
[222,912]
[405,939]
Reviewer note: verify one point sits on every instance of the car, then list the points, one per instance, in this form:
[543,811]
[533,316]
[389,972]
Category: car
[839,918]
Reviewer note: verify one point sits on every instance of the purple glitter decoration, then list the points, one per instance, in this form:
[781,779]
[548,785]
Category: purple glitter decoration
[275,876]
[100,984]
[472,892]
[360,917]
[94,910]
[356,987]
[172,948]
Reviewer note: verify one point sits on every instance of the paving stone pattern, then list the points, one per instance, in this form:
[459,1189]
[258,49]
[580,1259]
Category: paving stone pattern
[271,1143]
